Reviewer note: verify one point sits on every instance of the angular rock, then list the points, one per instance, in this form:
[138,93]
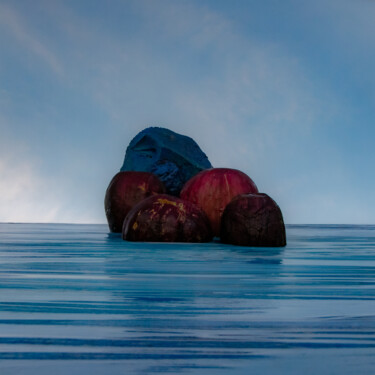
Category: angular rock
[173,157]
[164,218]
[253,220]
[214,188]
[124,191]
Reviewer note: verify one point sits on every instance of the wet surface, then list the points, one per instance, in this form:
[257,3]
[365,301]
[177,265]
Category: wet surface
[75,299]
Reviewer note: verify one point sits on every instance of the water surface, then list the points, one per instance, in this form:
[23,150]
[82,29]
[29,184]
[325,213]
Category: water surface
[75,299]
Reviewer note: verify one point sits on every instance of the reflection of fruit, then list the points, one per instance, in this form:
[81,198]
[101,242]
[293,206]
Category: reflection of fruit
[164,218]
[124,191]
[214,188]
[253,220]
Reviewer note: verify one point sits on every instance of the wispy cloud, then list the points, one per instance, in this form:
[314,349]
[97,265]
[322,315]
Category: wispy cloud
[23,193]
[28,196]
[15,24]
[28,193]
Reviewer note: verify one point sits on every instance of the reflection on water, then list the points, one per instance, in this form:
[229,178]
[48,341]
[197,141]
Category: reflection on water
[84,300]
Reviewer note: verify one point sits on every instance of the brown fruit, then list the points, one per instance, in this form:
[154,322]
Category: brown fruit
[253,220]
[164,218]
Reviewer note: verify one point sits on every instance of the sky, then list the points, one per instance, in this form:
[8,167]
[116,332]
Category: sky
[282,90]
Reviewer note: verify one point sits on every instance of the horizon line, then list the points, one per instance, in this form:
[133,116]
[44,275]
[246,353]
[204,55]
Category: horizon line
[287,224]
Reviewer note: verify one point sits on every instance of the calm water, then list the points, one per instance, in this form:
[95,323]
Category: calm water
[76,300]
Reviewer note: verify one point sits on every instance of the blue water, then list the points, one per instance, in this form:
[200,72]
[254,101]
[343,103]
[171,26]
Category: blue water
[75,300]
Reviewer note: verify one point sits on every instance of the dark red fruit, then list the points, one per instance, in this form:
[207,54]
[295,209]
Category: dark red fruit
[253,220]
[164,218]
[124,191]
[212,189]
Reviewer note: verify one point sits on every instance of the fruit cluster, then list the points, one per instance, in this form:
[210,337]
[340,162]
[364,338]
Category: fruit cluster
[217,202]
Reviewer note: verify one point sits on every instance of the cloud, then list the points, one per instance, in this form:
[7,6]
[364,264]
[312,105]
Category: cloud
[27,194]
[24,195]
[197,25]
[16,25]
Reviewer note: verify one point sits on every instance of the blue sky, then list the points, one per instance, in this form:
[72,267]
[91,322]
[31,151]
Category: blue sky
[283,90]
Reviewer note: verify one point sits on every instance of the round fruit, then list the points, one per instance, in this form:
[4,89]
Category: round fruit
[253,220]
[213,189]
[164,218]
[124,191]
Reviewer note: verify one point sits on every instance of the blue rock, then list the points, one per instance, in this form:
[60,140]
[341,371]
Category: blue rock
[173,157]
